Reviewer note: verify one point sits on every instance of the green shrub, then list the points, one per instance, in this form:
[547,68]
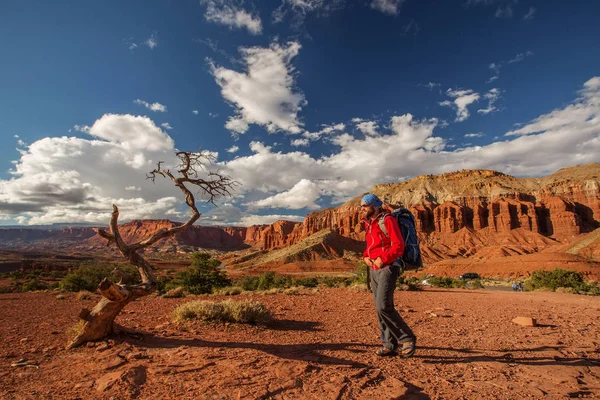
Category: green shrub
[334,281]
[474,284]
[247,311]
[250,283]
[174,293]
[228,291]
[200,277]
[306,282]
[361,273]
[32,285]
[89,276]
[442,281]
[6,289]
[557,278]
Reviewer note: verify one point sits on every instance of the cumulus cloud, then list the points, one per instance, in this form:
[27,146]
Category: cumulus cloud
[390,7]
[368,128]
[566,136]
[504,12]
[166,126]
[69,179]
[302,195]
[584,114]
[153,107]
[264,94]
[327,129]
[300,142]
[233,149]
[195,112]
[249,220]
[462,99]
[472,135]
[226,12]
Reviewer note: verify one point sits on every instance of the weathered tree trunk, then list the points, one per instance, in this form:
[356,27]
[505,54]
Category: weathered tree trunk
[99,322]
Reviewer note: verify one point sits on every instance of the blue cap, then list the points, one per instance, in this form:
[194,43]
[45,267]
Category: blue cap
[371,200]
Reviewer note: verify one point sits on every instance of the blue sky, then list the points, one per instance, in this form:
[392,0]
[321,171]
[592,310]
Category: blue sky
[306,103]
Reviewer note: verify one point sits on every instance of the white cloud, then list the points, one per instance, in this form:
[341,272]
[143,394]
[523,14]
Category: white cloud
[300,9]
[17,136]
[492,96]
[166,125]
[264,94]
[302,195]
[462,99]
[390,7]
[67,179]
[520,57]
[472,135]
[153,107]
[566,136]
[151,42]
[21,143]
[225,12]
[530,13]
[432,85]
[195,112]
[584,114]
[213,115]
[81,128]
[504,12]
[368,128]
[300,142]
[328,129]
[233,149]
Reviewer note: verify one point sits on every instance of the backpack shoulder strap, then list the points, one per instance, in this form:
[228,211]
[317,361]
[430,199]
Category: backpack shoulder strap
[382,224]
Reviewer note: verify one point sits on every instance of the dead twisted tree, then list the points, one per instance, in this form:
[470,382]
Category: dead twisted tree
[99,322]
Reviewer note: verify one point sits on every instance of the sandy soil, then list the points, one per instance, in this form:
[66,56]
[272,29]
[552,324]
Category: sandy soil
[319,346]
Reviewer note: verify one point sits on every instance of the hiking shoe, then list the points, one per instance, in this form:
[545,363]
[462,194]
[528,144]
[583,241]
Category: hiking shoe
[385,352]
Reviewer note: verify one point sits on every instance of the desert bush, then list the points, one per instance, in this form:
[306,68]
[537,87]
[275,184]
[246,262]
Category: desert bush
[567,290]
[247,312]
[442,281]
[228,291]
[89,275]
[361,273]
[32,285]
[334,281]
[474,284]
[162,281]
[266,281]
[250,283]
[358,287]
[556,278]
[6,289]
[291,291]
[271,291]
[84,295]
[306,282]
[200,277]
[178,292]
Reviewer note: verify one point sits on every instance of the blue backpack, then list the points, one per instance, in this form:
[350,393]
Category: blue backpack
[411,259]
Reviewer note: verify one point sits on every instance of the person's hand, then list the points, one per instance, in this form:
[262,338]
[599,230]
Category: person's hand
[378,263]
[368,261]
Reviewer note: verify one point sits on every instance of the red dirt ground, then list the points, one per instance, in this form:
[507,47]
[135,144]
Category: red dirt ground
[319,346]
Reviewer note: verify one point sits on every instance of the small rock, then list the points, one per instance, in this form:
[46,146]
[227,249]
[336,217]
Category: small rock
[24,340]
[114,363]
[85,385]
[525,321]
[105,382]
[102,347]
[91,344]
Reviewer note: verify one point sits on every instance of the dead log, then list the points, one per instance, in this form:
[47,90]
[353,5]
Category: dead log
[99,322]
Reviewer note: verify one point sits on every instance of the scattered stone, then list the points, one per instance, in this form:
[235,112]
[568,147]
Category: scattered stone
[91,344]
[525,321]
[85,385]
[114,364]
[102,347]
[107,381]
[24,340]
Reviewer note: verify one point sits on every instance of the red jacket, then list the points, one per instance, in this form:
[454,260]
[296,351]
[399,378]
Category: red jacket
[379,245]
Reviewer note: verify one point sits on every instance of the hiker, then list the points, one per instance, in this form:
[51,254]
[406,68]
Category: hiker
[381,252]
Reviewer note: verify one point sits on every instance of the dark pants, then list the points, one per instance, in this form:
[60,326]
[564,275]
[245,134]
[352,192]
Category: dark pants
[393,328]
